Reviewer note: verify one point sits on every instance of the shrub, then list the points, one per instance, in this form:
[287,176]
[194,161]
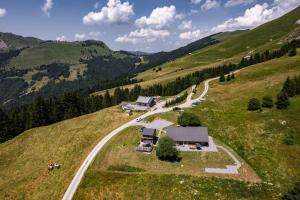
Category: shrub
[282,101]
[288,139]
[267,102]
[289,87]
[222,78]
[293,52]
[177,100]
[166,149]
[188,119]
[232,76]
[293,194]
[228,77]
[254,104]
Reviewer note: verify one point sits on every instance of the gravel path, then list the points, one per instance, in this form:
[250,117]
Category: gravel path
[230,169]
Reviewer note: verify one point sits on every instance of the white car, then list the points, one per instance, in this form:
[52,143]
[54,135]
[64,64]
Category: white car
[139,119]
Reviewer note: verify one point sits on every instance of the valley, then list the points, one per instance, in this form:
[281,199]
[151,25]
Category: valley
[86,108]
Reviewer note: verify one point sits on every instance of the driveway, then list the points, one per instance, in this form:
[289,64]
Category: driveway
[230,169]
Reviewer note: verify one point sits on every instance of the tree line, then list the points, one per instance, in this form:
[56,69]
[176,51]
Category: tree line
[176,100]
[45,111]
[291,88]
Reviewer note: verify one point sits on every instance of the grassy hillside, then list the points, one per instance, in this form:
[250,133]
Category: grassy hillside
[16,41]
[256,136]
[61,52]
[232,47]
[236,45]
[23,160]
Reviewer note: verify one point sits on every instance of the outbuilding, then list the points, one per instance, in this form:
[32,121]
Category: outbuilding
[145,101]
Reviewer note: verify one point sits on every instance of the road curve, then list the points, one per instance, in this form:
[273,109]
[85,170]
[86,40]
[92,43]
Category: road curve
[89,159]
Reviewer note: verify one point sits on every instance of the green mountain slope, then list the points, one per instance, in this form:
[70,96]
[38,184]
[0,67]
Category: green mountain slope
[60,52]
[233,46]
[256,136]
[16,41]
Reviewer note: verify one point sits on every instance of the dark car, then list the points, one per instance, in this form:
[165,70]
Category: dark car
[176,108]
[198,146]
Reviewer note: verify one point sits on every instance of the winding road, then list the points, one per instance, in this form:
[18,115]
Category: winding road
[159,108]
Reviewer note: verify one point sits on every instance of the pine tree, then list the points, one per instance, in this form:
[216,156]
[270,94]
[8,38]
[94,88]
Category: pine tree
[232,76]
[293,52]
[289,87]
[107,101]
[267,102]
[228,77]
[282,101]
[254,104]
[222,78]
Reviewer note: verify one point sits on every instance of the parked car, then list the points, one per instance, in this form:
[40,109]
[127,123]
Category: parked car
[139,119]
[176,108]
[198,146]
[196,103]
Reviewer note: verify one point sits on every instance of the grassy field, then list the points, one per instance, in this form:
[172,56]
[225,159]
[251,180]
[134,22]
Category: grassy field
[121,152]
[256,136]
[23,160]
[119,159]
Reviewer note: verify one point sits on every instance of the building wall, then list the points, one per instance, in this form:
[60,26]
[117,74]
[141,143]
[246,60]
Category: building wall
[192,143]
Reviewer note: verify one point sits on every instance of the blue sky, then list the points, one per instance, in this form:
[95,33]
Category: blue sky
[145,25]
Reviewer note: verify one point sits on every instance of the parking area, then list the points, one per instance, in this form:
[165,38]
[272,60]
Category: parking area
[210,148]
[158,124]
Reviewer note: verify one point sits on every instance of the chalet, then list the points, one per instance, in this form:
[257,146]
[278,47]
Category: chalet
[189,135]
[145,101]
[148,139]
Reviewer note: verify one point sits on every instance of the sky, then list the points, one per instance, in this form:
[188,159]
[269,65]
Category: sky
[136,25]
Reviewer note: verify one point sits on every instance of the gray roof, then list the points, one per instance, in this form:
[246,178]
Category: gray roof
[188,134]
[148,131]
[146,100]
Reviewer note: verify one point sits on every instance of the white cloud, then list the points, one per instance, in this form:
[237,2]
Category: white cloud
[232,3]
[48,5]
[185,25]
[210,4]
[193,12]
[257,15]
[143,35]
[114,12]
[94,34]
[96,5]
[61,38]
[196,1]
[79,36]
[191,35]
[2,12]
[159,18]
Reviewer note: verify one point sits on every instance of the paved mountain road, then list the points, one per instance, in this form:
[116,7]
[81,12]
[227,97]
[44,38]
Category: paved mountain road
[89,159]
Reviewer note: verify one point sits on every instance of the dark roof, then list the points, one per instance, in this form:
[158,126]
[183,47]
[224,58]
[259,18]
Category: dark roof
[145,100]
[188,134]
[148,131]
